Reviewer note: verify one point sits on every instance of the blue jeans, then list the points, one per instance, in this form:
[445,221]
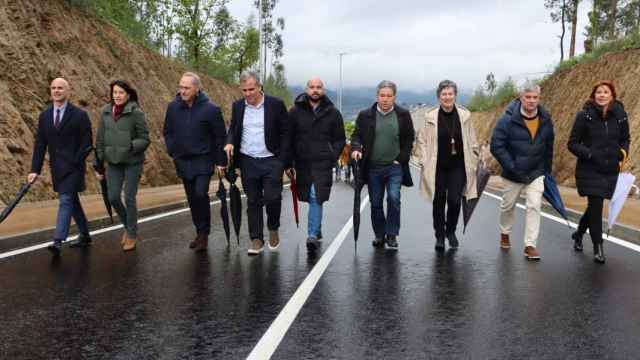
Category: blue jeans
[315,214]
[381,178]
[69,206]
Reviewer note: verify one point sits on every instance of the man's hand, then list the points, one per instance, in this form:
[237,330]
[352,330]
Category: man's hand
[228,149]
[356,155]
[32,177]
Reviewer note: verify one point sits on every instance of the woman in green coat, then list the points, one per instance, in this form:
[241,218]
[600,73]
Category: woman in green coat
[121,142]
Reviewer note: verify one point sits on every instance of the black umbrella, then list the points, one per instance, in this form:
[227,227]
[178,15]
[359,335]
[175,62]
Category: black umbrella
[224,212]
[98,166]
[357,187]
[23,190]
[235,202]
[468,206]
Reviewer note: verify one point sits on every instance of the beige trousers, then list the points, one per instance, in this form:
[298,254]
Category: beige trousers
[533,194]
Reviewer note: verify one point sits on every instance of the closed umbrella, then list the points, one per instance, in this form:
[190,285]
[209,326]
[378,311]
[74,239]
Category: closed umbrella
[235,201]
[623,187]
[468,206]
[552,195]
[294,196]
[224,211]
[23,190]
[357,187]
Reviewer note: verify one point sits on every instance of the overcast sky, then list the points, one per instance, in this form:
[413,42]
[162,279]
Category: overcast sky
[416,43]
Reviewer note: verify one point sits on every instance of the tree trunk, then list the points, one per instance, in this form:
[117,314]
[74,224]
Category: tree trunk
[574,24]
[613,18]
[563,12]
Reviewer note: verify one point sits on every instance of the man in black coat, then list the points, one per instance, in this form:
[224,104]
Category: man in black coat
[522,142]
[317,132]
[382,142]
[259,140]
[65,132]
[194,134]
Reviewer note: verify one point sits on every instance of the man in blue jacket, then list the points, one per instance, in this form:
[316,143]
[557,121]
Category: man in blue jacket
[65,131]
[259,140]
[522,142]
[194,133]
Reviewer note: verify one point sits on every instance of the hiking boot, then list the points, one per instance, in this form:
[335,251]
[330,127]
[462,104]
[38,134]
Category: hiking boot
[83,241]
[256,247]
[129,243]
[453,241]
[577,241]
[202,243]
[504,241]
[392,242]
[274,240]
[193,244]
[531,253]
[312,244]
[598,253]
[439,243]
[378,242]
[55,248]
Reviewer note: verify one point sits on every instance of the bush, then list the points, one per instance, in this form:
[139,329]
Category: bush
[505,92]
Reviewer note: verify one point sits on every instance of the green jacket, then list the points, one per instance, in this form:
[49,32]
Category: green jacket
[123,141]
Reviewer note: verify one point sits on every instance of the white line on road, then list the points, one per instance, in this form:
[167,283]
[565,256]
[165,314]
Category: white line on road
[269,342]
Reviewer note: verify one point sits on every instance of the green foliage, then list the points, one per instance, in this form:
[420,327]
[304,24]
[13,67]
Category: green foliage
[483,101]
[349,127]
[276,85]
[626,43]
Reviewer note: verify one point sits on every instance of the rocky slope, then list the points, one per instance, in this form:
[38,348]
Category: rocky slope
[41,40]
[563,94]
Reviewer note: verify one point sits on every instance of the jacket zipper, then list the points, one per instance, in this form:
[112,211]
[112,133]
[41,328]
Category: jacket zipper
[606,149]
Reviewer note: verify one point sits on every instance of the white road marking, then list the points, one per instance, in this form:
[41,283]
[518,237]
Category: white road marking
[269,342]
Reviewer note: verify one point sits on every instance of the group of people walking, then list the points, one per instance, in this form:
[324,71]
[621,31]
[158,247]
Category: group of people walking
[265,141]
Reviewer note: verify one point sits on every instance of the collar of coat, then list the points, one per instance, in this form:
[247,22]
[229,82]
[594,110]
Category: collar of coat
[431,115]
[398,109]
[129,107]
[513,112]
[302,101]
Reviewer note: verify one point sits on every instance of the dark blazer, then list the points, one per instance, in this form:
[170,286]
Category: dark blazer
[68,146]
[276,129]
[364,134]
[317,141]
[522,158]
[194,136]
[597,144]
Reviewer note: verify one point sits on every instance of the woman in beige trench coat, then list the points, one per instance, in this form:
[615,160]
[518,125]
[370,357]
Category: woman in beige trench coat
[447,151]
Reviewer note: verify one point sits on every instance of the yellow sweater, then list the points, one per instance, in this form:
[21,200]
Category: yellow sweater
[532,125]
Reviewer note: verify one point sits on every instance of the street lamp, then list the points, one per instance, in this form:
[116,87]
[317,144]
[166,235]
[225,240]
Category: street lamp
[340,81]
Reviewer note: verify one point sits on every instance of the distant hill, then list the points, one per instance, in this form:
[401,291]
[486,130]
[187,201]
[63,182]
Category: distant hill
[358,98]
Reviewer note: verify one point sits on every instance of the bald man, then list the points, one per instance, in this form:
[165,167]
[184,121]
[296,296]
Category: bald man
[318,138]
[65,131]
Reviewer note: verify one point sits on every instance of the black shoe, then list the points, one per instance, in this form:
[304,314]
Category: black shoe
[577,241]
[453,241]
[598,253]
[439,243]
[55,248]
[83,241]
[392,242]
[378,242]
[312,244]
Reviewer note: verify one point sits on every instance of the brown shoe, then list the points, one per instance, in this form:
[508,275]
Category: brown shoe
[193,244]
[203,243]
[504,241]
[129,243]
[531,253]
[123,239]
[274,240]
[256,247]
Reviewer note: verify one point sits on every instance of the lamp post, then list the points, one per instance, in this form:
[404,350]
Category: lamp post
[340,55]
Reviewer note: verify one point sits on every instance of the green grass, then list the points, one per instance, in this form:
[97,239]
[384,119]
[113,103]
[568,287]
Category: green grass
[626,43]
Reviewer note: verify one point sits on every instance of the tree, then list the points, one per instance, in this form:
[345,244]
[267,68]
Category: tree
[573,16]
[491,84]
[629,17]
[565,12]
[271,38]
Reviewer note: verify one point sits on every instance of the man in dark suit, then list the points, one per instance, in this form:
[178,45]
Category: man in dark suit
[65,131]
[258,139]
[194,133]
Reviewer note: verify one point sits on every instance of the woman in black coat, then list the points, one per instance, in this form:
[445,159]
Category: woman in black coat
[600,140]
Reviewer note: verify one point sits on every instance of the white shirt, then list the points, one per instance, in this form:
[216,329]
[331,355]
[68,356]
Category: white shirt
[253,143]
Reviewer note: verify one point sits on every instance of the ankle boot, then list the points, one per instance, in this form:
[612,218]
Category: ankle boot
[440,243]
[203,243]
[577,240]
[598,253]
[194,243]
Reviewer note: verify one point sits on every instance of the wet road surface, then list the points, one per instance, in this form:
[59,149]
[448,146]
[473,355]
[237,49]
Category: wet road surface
[165,302]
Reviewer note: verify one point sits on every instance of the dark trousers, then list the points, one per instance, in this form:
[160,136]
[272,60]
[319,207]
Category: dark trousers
[449,188]
[381,178]
[592,219]
[262,183]
[197,189]
[129,177]
[69,207]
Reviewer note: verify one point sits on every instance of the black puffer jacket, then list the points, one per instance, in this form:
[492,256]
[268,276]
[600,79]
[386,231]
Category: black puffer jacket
[318,139]
[597,143]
